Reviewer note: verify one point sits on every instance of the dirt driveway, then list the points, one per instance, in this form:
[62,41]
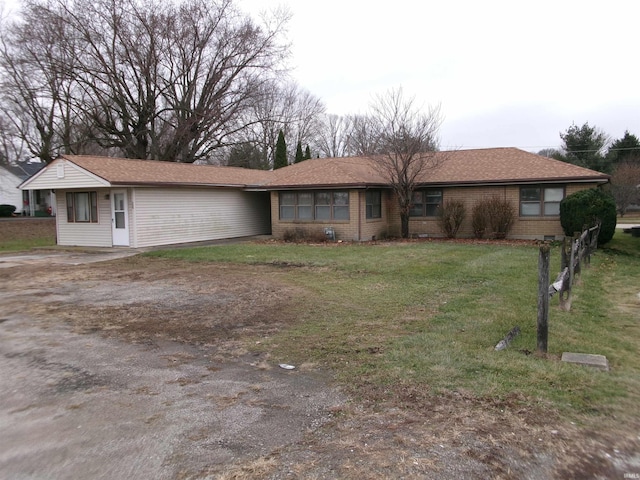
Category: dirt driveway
[113,371]
[143,368]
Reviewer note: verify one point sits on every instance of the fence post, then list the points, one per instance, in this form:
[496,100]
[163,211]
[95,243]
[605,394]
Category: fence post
[576,256]
[565,291]
[543,298]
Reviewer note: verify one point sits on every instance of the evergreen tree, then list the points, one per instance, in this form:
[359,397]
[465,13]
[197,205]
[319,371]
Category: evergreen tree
[299,154]
[625,149]
[583,147]
[587,207]
[280,159]
[307,153]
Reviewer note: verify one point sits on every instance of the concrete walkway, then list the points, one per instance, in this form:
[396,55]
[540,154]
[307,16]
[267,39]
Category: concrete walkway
[81,255]
[64,257]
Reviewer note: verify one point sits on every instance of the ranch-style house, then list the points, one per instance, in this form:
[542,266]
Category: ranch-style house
[110,202]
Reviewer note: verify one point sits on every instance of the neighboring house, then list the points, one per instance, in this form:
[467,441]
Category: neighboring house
[109,201]
[27,202]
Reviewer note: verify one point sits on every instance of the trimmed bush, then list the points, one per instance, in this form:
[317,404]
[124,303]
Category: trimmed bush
[7,210]
[584,209]
[501,215]
[494,216]
[451,214]
[479,220]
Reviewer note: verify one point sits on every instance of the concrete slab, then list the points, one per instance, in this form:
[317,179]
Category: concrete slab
[595,361]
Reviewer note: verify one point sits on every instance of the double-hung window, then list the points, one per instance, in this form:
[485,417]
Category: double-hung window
[425,203]
[82,207]
[325,205]
[538,201]
[374,204]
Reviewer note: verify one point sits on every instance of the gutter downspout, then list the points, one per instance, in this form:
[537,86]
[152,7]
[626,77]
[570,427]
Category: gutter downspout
[359,215]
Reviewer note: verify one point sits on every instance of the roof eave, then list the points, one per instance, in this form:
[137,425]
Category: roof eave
[528,181]
[326,186]
[177,184]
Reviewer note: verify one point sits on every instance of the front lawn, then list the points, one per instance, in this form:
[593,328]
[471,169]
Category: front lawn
[21,234]
[399,320]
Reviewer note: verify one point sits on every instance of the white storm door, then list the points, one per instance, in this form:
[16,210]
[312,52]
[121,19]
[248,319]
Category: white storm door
[120,218]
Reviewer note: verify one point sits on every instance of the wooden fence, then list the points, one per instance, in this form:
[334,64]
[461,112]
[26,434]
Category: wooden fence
[576,253]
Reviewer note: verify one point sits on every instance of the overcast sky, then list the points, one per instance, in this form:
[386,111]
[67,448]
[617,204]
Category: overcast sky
[506,73]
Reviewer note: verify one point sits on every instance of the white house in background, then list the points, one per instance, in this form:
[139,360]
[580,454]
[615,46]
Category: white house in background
[105,202]
[27,202]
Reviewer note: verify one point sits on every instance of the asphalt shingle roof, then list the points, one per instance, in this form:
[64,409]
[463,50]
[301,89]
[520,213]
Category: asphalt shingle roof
[123,171]
[23,170]
[462,167]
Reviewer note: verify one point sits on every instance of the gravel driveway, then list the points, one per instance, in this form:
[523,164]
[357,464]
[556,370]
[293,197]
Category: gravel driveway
[77,401]
[143,368]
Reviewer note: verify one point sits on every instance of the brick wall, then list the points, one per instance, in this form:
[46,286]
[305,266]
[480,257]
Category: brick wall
[523,227]
[359,228]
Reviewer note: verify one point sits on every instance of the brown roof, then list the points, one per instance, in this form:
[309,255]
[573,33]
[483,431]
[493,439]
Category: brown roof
[506,165]
[123,171]
[329,172]
[461,167]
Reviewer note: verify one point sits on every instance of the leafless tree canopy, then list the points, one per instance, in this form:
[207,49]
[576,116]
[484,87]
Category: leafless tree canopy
[625,184]
[281,106]
[403,141]
[143,79]
[332,139]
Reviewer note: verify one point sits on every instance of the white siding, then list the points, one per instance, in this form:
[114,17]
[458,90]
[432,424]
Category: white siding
[63,175]
[84,234]
[163,216]
[9,193]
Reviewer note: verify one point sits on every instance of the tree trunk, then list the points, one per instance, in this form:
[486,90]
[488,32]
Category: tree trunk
[404,228]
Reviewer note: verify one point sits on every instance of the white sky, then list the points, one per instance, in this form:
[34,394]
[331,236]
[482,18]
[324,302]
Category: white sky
[506,73]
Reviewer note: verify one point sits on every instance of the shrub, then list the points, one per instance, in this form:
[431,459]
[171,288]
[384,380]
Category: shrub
[479,220]
[493,215]
[7,210]
[585,208]
[300,235]
[501,214]
[451,214]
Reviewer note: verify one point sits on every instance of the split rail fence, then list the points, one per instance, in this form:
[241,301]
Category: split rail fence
[576,253]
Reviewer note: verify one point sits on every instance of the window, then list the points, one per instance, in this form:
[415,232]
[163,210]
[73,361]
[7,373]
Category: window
[374,203]
[540,201]
[319,206]
[425,203]
[82,207]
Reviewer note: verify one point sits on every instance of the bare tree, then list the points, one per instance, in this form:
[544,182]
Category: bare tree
[158,80]
[333,136]
[280,106]
[307,112]
[38,91]
[625,185]
[403,142]
[362,137]
[12,148]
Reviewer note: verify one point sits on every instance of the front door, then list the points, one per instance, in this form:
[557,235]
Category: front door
[120,218]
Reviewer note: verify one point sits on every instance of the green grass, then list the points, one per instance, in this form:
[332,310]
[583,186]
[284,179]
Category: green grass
[25,244]
[19,234]
[430,314]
